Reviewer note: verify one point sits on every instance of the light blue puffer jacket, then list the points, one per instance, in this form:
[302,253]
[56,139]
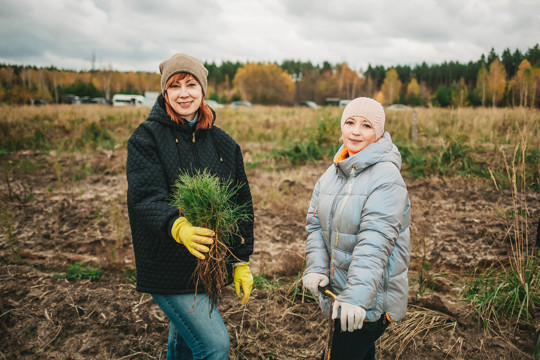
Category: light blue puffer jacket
[358,231]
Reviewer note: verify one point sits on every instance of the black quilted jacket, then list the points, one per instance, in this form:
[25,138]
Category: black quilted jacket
[157,151]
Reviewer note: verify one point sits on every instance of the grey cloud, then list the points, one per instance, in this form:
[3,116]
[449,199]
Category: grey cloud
[138,34]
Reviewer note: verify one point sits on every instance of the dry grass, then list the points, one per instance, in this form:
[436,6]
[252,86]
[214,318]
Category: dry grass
[418,323]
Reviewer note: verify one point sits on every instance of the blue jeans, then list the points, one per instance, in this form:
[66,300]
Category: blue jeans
[194,334]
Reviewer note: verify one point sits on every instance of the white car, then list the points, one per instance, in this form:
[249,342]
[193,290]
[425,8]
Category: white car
[213,104]
[238,104]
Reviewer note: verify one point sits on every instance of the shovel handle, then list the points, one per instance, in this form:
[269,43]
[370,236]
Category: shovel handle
[326,291]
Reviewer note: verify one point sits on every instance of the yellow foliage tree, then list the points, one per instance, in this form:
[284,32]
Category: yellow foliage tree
[522,83]
[496,81]
[391,86]
[7,76]
[379,96]
[413,88]
[482,82]
[349,82]
[266,84]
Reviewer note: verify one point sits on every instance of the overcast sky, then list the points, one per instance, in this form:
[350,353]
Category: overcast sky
[138,34]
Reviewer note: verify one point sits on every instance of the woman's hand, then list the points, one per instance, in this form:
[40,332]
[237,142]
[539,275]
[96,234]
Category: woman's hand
[243,279]
[352,316]
[192,237]
[312,281]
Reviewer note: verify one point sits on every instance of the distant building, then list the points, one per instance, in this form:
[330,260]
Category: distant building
[151,97]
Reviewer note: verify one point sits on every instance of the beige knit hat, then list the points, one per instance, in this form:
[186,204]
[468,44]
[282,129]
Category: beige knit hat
[369,109]
[183,63]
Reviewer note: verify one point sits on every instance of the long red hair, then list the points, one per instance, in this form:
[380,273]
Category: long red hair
[206,116]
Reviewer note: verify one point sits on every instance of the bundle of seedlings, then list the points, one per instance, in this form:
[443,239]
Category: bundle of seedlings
[208,201]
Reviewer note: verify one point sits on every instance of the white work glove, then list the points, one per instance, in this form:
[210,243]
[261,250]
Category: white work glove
[312,281]
[352,316]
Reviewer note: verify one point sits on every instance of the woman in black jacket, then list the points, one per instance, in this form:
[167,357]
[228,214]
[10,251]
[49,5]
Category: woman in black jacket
[179,135]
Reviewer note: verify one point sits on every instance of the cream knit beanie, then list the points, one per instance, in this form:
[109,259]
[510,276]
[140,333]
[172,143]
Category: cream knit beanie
[369,109]
[186,64]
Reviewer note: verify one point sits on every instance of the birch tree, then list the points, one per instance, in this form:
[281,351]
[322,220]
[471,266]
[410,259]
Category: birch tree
[496,81]
[482,82]
[391,86]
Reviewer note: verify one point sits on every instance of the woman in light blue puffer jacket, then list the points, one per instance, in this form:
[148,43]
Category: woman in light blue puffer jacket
[358,239]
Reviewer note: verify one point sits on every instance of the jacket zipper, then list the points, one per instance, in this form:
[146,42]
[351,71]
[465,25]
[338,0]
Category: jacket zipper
[385,292]
[332,215]
[349,182]
[194,149]
[347,196]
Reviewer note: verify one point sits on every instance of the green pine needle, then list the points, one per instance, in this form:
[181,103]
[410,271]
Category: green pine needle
[208,201]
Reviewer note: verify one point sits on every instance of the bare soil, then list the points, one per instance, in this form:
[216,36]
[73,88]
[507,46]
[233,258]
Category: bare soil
[459,225]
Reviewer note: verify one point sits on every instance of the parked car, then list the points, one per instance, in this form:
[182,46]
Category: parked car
[70,99]
[343,102]
[37,102]
[331,102]
[213,104]
[238,104]
[99,100]
[309,104]
[397,107]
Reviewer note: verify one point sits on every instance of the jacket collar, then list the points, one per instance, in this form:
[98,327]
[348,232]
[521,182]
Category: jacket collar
[381,151]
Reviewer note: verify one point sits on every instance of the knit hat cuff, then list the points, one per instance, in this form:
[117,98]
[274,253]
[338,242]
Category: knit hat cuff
[182,63]
[369,109]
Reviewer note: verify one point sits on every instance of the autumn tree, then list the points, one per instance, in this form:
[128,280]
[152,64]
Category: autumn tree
[379,96]
[522,82]
[306,87]
[391,86]
[266,84]
[349,82]
[496,81]
[536,86]
[482,83]
[413,92]
[7,76]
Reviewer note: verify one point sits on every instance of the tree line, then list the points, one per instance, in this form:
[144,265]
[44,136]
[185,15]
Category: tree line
[509,79]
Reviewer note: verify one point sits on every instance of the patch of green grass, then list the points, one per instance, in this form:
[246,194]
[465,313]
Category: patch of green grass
[415,159]
[95,135]
[78,271]
[261,282]
[507,291]
[320,143]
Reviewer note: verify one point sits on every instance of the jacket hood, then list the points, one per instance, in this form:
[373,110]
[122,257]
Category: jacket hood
[383,150]
[159,114]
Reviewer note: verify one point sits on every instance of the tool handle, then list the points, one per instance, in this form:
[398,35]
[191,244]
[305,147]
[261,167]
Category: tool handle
[326,291]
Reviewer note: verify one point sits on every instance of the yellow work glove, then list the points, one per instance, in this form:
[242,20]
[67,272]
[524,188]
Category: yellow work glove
[192,237]
[243,279]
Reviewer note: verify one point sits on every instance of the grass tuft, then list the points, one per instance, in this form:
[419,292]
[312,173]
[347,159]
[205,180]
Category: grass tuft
[79,271]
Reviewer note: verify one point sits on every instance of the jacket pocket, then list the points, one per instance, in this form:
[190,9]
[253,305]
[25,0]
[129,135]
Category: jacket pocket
[341,261]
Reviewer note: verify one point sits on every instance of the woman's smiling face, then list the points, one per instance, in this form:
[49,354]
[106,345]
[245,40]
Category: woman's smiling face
[357,133]
[185,97]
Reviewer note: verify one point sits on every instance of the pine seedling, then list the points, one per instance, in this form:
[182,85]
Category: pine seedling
[208,201]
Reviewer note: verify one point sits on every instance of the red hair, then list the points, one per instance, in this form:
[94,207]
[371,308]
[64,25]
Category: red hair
[206,116]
